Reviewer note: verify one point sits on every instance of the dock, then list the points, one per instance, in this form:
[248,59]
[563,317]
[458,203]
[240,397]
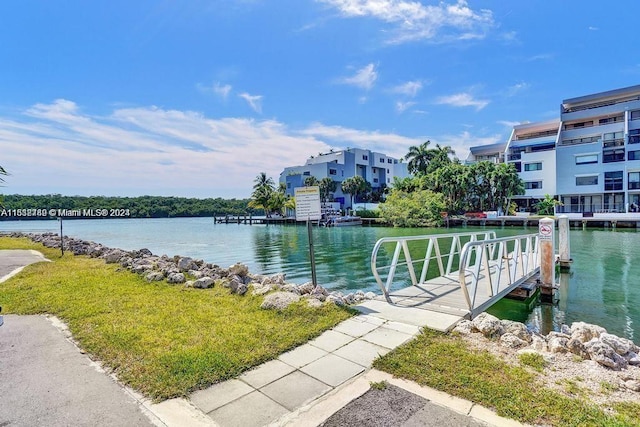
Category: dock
[473,271]
[276,220]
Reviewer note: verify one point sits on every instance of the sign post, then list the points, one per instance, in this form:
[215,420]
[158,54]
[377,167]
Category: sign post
[547,251]
[308,209]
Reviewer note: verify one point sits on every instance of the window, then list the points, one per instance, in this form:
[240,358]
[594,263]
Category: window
[614,119]
[613,181]
[306,173]
[288,185]
[528,167]
[333,171]
[634,181]
[533,185]
[389,161]
[381,160]
[634,155]
[635,115]
[634,136]
[365,157]
[610,156]
[586,159]
[387,170]
[587,180]
[613,139]
[375,180]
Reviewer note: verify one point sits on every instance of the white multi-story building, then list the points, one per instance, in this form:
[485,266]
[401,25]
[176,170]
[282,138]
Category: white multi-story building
[589,158]
[376,168]
[531,149]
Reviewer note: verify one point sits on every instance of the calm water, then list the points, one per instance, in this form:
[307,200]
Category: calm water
[604,287]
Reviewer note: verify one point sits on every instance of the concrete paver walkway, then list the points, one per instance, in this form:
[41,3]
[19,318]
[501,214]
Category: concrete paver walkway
[305,386]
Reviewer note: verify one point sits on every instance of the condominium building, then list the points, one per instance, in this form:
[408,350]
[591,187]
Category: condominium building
[376,168]
[531,149]
[589,158]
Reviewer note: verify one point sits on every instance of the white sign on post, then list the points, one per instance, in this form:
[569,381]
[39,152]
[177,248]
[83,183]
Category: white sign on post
[308,203]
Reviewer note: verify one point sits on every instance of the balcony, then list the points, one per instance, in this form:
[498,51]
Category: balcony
[518,156]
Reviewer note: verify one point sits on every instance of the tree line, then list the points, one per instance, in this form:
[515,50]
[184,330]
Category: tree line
[138,207]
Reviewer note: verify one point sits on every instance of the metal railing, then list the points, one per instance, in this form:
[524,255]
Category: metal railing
[484,260]
[438,249]
[501,262]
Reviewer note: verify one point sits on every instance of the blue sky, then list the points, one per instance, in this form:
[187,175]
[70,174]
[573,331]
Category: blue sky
[195,98]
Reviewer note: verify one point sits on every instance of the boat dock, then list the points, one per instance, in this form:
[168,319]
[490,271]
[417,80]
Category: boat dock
[452,276]
[278,220]
[612,221]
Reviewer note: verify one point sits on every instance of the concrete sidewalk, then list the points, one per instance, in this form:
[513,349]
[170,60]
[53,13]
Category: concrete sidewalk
[309,384]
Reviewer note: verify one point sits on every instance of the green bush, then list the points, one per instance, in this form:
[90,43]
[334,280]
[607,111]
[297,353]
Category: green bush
[420,208]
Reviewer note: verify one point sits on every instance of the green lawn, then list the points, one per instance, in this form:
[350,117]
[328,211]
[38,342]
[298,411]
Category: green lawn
[444,362]
[162,340]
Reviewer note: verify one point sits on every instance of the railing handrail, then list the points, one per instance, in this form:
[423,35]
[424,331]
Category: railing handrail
[524,258]
[433,246]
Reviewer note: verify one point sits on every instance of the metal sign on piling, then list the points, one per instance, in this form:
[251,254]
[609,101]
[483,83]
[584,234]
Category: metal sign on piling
[308,209]
[547,251]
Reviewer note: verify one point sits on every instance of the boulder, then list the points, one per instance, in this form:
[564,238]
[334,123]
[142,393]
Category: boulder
[539,343]
[314,303]
[490,326]
[306,288]
[557,343]
[632,358]
[605,355]
[175,278]
[576,347]
[290,287]
[585,332]
[369,295]
[279,300]
[621,346]
[113,256]
[154,276]
[204,283]
[463,327]
[518,329]
[510,340]
[186,264]
[238,269]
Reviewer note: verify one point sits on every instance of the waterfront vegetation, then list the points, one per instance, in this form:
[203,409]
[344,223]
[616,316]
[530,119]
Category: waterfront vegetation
[446,363]
[162,340]
[136,207]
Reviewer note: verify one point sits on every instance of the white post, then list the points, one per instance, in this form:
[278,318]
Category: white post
[547,251]
[563,239]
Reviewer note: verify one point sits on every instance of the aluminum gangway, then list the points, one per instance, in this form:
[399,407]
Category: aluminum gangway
[460,273]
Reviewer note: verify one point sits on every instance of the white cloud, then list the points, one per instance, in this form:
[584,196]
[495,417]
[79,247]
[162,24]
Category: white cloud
[57,148]
[462,100]
[364,78]
[412,20]
[254,101]
[410,88]
[401,107]
[516,88]
[221,90]
[591,28]
[540,57]
[461,142]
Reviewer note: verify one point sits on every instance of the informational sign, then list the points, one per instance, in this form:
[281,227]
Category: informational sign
[545,232]
[308,203]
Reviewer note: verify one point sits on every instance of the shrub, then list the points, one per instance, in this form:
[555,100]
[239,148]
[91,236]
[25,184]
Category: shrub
[420,208]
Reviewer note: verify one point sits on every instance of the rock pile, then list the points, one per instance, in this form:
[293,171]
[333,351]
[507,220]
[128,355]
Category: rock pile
[581,340]
[202,275]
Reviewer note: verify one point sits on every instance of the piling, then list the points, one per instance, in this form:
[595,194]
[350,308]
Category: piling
[547,255]
[564,255]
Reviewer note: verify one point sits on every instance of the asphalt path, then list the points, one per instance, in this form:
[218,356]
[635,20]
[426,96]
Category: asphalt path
[44,378]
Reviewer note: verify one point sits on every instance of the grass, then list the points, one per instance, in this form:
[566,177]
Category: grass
[534,360]
[162,340]
[444,362]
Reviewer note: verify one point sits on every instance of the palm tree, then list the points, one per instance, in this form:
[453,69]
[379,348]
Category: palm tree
[263,181]
[327,186]
[419,157]
[311,181]
[263,190]
[354,186]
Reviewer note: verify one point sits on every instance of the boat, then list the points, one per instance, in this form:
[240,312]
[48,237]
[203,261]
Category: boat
[343,221]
